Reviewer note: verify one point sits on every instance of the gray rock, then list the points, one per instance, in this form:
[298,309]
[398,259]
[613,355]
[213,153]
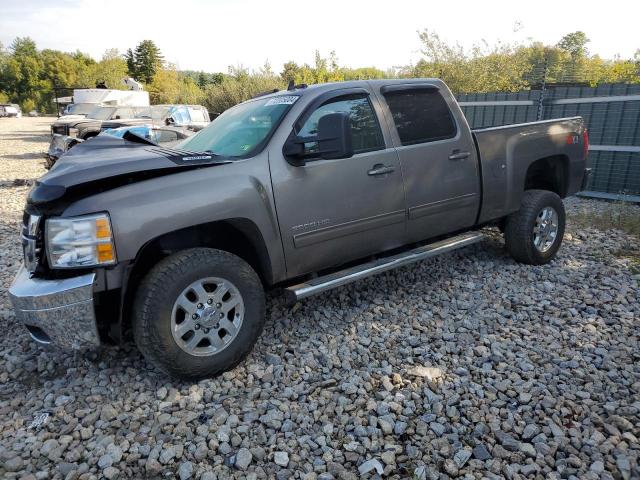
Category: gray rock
[14,464]
[437,428]
[530,431]
[48,446]
[108,413]
[185,471]
[461,457]
[105,461]
[167,454]
[243,459]
[507,441]
[528,450]
[111,473]
[624,466]
[281,458]
[420,473]
[480,452]
[272,359]
[370,465]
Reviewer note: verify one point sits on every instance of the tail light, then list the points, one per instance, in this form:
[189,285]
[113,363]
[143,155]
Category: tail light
[585,142]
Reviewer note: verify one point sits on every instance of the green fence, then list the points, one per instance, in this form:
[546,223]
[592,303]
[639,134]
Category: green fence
[611,113]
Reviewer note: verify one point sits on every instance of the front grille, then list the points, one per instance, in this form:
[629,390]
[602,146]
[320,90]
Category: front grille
[59,129]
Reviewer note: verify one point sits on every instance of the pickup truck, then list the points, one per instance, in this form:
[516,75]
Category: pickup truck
[300,190]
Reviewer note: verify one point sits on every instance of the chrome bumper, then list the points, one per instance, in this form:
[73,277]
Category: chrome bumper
[59,312]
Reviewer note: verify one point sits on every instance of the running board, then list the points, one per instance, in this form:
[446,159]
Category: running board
[343,277]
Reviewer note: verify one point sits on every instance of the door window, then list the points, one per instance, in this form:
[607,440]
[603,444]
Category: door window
[123,113]
[420,115]
[365,130]
[197,115]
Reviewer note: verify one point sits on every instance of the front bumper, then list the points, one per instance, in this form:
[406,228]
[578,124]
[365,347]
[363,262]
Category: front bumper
[59,312]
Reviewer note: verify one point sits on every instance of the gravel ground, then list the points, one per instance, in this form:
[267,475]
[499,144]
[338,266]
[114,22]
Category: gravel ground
[23,142]
[465,365]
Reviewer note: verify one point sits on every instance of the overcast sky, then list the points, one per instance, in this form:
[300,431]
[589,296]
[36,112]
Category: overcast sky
[211,35]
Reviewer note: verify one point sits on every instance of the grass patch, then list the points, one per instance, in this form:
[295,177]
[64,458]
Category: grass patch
[606,216]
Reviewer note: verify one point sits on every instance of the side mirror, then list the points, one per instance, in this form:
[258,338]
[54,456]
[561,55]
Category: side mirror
[169,121]
[333,140]
[334,136]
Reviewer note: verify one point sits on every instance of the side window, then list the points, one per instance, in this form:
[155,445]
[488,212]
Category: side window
[420,115]
[197,115]
[123,113]
[181,116]
[365,129]
[164,136]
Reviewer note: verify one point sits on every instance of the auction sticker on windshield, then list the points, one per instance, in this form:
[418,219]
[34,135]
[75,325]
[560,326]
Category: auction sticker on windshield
[284,100]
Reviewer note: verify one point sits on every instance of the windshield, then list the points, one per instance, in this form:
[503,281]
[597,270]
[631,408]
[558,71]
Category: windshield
[101,113]
[241,130]
[160,112]
[80,108]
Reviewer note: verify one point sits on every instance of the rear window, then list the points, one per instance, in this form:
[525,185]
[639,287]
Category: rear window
[420,115]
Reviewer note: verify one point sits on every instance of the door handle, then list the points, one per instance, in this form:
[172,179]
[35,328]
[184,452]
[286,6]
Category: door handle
[458,155]
[380,169]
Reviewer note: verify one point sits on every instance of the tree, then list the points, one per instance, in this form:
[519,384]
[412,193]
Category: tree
[130,59]
[24,47]
[111,69]
[147,60]
[574,43]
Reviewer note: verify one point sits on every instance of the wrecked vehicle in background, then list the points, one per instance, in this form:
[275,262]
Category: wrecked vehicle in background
[10,110]
[84,100]
[185,118]
[167,136]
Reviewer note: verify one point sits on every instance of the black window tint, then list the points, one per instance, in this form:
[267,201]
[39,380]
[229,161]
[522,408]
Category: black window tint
[420,115]
[364,123]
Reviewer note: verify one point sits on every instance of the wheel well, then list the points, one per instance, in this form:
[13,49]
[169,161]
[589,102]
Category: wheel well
[238,236]
[549,173]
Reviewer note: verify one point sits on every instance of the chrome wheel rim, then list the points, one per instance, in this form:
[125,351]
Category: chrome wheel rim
[207,316]
[545,230]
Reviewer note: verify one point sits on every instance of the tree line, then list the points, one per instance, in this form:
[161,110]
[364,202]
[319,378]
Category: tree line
[28,75]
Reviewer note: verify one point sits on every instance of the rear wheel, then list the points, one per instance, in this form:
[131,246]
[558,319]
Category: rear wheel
[534,233]
[198,313]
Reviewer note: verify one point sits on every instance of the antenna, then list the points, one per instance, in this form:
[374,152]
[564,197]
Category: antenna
[291,86]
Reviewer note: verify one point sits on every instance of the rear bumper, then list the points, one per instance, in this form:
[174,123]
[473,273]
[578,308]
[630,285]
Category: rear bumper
[59,312]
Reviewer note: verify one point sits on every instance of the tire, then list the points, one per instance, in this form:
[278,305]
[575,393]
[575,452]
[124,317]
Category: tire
[157,312]
[539,246]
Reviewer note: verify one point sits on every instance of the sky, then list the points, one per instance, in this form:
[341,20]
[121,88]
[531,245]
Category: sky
[212,35]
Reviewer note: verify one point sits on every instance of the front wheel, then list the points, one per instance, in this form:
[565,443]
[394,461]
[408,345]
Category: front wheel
[534,233]
[198,313]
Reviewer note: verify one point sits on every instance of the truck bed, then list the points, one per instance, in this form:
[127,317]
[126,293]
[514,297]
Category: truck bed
[508,152]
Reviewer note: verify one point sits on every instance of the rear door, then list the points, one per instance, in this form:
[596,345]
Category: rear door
[334,211]
[438,158]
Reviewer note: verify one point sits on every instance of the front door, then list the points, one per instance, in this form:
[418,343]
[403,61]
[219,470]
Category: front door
[438,158]
[334,211]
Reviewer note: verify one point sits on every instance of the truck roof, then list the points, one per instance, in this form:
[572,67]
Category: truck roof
[325,87]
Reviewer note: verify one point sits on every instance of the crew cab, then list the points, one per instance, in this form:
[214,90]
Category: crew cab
[301,190]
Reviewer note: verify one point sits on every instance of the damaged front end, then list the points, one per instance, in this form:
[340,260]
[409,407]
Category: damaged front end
[60,144]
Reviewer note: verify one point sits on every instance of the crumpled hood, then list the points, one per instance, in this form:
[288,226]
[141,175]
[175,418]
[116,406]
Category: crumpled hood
[105,162]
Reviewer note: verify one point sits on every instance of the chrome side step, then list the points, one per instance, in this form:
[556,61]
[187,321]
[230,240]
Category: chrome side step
[343,277]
